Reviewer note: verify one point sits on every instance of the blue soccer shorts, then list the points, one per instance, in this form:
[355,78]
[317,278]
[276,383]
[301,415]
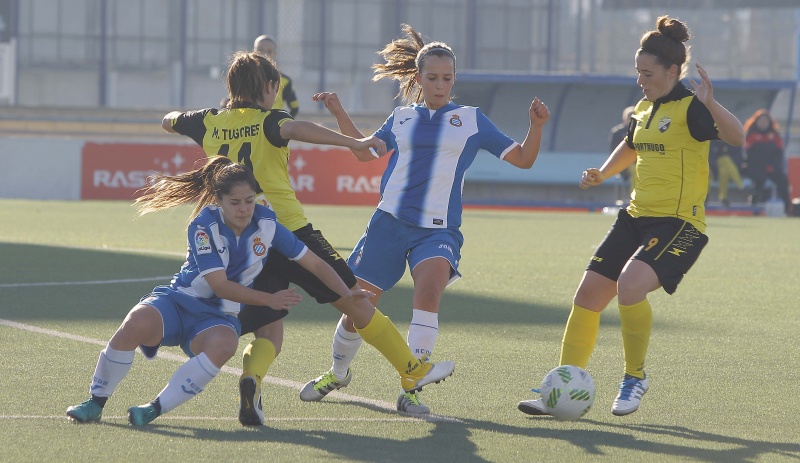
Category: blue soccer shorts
[380,256]
[184,318]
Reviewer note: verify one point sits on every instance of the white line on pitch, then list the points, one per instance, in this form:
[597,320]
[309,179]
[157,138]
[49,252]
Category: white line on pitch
[218,418]
[92,282]
[390,407]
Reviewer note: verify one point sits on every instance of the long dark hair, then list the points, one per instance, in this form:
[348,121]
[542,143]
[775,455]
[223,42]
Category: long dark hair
[665,42]
[204,186]
[248,75]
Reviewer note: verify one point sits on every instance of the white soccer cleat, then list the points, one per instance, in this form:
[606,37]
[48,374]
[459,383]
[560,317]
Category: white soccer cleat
[438,372]
[631,391]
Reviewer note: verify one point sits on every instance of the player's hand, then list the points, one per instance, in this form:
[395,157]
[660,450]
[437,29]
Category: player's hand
[284,299]
[369,146]
[704,91]
[591,177]
[538,112]
[358,294]
[331,101]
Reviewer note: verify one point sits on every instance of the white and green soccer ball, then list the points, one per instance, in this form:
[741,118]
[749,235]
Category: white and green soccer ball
[567,392]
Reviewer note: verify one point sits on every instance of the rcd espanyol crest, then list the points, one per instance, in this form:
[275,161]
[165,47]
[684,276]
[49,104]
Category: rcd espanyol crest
[455,121]
[663,124]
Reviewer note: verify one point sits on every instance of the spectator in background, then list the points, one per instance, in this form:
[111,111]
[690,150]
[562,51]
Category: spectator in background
[723,159]
[764,158]
[286,96]
[618,133]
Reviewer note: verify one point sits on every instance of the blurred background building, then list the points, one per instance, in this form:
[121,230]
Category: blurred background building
[130,60]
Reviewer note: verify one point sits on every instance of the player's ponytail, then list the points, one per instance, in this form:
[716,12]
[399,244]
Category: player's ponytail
[404,58]
[202,186]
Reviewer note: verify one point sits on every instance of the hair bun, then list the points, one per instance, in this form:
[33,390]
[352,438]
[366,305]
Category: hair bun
[672,28]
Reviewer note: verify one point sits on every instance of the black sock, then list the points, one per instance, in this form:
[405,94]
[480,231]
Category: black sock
[157,405]
[101,401]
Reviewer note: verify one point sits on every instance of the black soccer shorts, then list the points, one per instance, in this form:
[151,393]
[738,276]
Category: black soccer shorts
[279,272]
[668,244]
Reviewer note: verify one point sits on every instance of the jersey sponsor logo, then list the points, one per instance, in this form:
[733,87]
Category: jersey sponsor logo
[455,121]
[358,257]
[202,242]
[597,259]
[259,248]
[656,147]
[405,120]
[438,222]
[663,124]
[222,250]
[445,246]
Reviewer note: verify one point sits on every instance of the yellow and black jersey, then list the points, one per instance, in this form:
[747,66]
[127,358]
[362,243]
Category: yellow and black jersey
[671,138]
[287,96]
[250,135]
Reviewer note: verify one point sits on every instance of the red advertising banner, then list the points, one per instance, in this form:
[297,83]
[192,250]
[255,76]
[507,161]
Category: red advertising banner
[118,170]
[335,176]
[319,175]
[794,177]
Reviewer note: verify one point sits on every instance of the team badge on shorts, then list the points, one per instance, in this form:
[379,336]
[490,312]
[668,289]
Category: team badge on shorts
[455,121]
[663,124]
[259,248]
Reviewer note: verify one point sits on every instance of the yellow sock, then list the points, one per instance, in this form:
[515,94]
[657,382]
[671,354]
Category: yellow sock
[258,357]
[381,333]
[580,336]
[637,319]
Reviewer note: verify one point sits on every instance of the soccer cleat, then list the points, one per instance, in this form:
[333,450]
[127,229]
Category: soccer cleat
[533,407]
[436,372]
[408,402]
[250,411]
[143,414]
[316,389]
[631,390]
[85,412]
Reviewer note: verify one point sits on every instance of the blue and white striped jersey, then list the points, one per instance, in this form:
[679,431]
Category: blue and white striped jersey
[213,246]
[424,178]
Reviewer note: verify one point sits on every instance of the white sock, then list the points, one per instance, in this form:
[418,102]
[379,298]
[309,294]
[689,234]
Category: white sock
[422,333]
[111,367]
[345,348]
[191,379]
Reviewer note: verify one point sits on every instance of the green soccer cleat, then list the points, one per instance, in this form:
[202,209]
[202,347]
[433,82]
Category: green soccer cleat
[316,389]
[408,402]
[143,414]
[85,412]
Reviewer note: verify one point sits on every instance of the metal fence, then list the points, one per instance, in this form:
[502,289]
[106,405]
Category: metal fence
[129,53]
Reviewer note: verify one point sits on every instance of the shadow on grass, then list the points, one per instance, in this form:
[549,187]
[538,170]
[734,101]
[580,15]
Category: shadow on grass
[80,297]
[451,441]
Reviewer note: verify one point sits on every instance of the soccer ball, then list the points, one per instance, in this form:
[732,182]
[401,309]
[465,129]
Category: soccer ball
[567,392]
